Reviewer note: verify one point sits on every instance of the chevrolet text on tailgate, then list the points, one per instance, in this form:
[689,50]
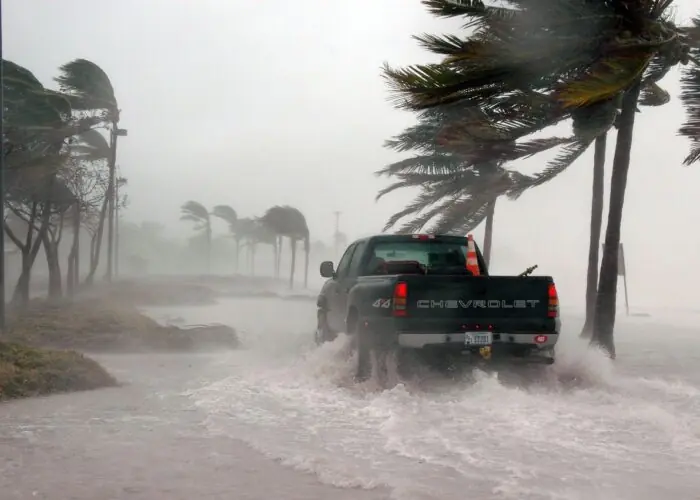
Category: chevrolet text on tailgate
[483,304]
[432,296]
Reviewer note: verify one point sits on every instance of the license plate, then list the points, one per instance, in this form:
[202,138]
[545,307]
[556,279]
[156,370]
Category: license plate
[473,338]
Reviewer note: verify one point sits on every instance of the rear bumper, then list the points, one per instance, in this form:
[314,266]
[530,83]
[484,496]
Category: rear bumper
[421,340]
[513,337]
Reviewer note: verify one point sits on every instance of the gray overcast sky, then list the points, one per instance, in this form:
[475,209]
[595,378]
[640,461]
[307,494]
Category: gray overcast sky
[259,103]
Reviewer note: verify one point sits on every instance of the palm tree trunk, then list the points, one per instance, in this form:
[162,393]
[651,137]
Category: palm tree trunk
[238,252]
[208,244]
[606,300]
[488,233]
[307,250]
[96,246]
[278,264]
[293,244]
[596,227]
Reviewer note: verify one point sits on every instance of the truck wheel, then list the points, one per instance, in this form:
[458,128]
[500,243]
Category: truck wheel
[323,332]
[363,337]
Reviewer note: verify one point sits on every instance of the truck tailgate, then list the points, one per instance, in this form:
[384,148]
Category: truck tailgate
[477,298]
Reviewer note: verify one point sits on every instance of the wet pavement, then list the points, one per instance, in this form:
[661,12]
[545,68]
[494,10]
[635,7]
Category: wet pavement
[142,441]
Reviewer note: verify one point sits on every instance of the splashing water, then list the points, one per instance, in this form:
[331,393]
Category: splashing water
[583,428]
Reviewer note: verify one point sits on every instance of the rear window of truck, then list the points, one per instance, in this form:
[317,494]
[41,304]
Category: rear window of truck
[424,256]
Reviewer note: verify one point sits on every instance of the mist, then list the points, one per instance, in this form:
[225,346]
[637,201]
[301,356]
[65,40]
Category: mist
[255,105]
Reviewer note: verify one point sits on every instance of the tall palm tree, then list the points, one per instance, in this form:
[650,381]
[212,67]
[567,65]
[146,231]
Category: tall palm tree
[246,235]
[230,217]
[90,89]
[37,122]
[576,54]
[92,147]
[196,212]
[289,222]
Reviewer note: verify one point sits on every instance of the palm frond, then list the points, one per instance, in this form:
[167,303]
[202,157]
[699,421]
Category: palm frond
[225,213]
[690,96]
[462,216]
[194,211]
[91,146]
[88,86]
[417,224]
[564,160]
[603,80]
[653,95]
[433,164]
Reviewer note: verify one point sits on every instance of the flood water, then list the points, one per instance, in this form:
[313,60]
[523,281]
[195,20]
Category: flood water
[282,418]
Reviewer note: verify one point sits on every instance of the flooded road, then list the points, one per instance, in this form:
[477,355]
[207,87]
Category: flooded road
[143,441]
[281,419]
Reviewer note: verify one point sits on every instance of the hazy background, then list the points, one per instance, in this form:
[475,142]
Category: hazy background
[259,103]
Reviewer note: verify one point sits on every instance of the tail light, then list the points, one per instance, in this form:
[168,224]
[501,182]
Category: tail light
[399,300]
[553,306]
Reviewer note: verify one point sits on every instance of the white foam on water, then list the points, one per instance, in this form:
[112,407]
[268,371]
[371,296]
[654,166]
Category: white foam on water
[586,427]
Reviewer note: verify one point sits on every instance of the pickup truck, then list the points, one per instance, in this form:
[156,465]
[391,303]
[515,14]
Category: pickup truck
[416,293]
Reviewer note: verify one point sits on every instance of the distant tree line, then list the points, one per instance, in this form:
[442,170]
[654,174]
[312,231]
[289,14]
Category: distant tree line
[276,224]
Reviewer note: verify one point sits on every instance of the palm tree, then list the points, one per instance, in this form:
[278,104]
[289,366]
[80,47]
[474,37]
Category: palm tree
[246,234]
[90,89]
[196,212]
[228,215]
[569,55]
[92,147]
[37,123]
[286,221]
[463,177]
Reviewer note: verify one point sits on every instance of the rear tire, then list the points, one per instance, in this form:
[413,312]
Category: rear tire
[323,332]
[365,348]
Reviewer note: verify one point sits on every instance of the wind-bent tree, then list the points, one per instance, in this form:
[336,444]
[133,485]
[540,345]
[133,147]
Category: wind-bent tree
[460,180]
[37,124]
[246,235]
[230,217]
[194,211]
[92,151]
[568,55]
[91,90]
[289,222]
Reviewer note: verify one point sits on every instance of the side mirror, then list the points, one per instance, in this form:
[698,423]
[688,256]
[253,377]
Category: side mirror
[327,270]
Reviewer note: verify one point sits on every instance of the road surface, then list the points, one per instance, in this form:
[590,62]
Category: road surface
[282,420]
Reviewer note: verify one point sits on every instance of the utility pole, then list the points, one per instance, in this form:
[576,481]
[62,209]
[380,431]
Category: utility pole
[2,184]
[116,227]
[112,183]
[336,234]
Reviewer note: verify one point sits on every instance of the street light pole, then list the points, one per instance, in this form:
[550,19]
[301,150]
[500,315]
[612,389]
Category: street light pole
[116,227]
[115,133]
